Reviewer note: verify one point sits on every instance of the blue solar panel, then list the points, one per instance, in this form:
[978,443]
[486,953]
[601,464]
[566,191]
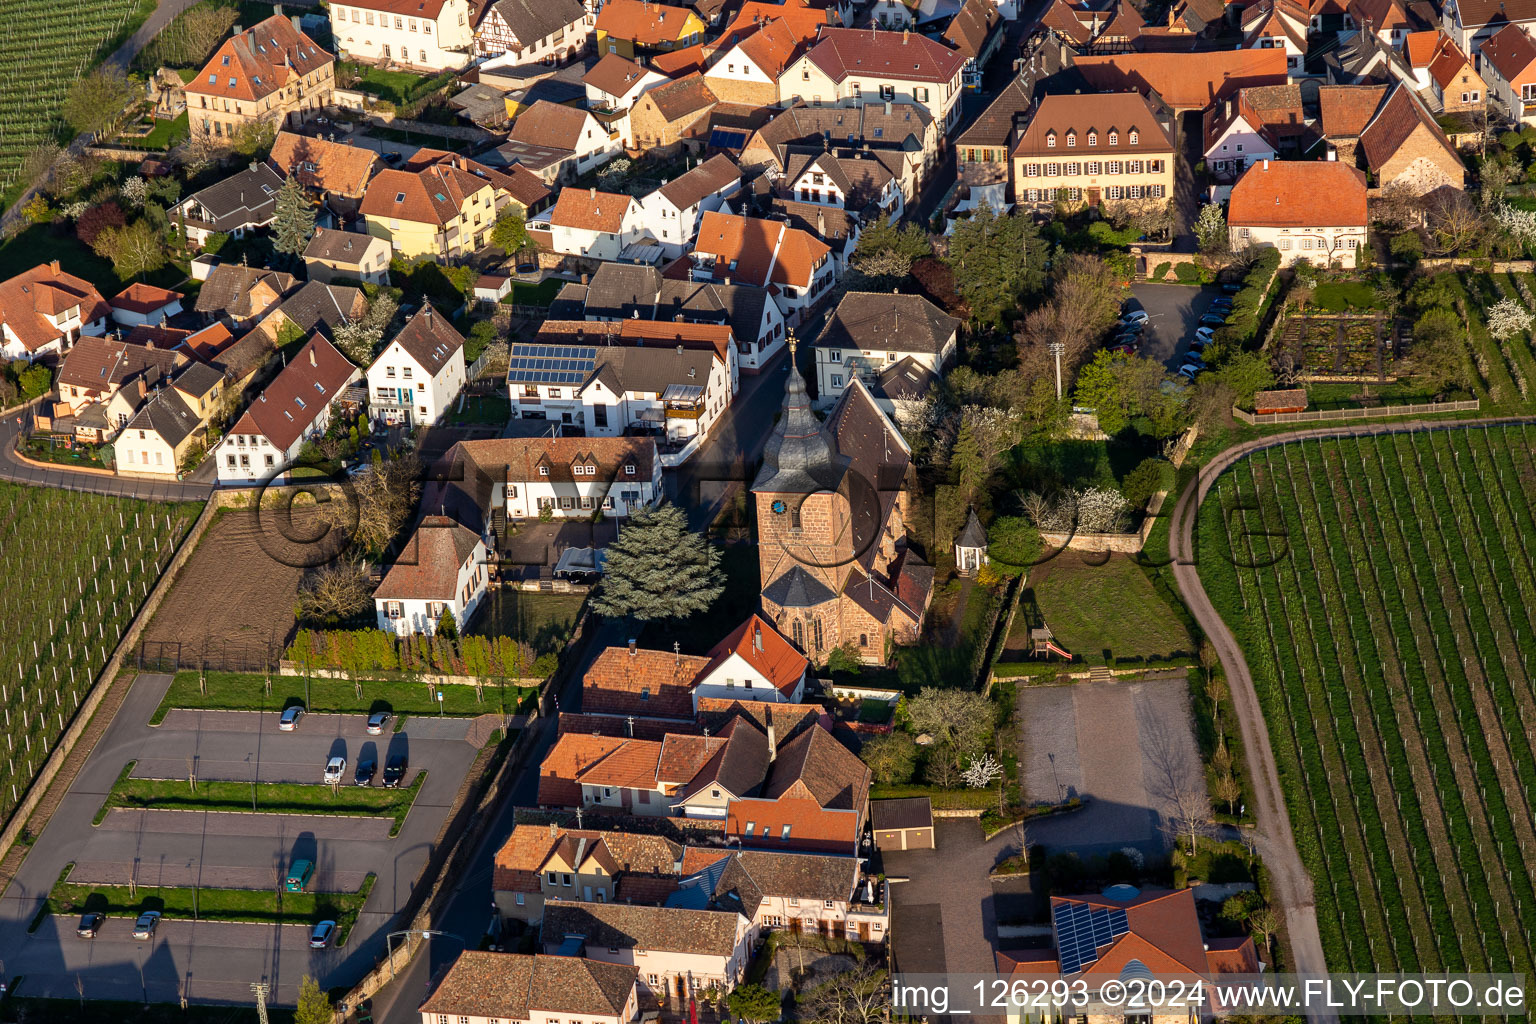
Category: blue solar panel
[1081,931]
[722,139]
[550,364]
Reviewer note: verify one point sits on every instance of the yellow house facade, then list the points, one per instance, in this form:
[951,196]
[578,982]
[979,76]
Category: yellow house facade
[441,211]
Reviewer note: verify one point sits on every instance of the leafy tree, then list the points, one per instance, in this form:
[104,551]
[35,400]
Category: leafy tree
[1013,545]
[135,248]
[215,242]
[755,1003]
[885,252]
[659,569]
[509,233]
[1246,373]
[294,221]
[1120,387]
[997,261]
[845,658]
[967,464]
[891,759]
[1145,480]
[447,626]
[1211,230]
[254,139]
[35,381]
[97,100]
[135,192]
[37,210]
[314,1006]
[1408,246]
[1439,352]
[383,497]
[960,717]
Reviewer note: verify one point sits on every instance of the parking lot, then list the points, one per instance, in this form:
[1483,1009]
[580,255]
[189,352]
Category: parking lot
[1174,311]
[210,960]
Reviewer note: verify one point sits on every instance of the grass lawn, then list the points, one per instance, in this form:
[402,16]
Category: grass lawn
[395,86]
[1338,296]
[167,133]
[1103,612]
[241,905]
[541,294]
[236,691]
[1345,395]
[493,410]
[543,621]
[268,797]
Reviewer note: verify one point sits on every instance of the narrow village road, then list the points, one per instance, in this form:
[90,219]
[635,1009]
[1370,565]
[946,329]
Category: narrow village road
[1275,839]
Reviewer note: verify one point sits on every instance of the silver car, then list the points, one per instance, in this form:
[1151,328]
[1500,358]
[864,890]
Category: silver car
[144,927]
[335,768]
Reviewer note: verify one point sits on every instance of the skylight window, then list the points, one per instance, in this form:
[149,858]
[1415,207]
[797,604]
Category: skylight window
[440,197]
[298,402]
[399,197]
[213,79]
[231,81]
[226,60]
[319,387]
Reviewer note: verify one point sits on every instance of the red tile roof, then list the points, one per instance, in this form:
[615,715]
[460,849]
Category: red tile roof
[810,826]
[641,682]
[904,56]
[143,298]
[427,568]
[260,61]
[587,209]
[1101,114]
[571,754]
[320,164]
[1400,118]
[303,390]
[1512,52]
[765,252]
[434,195]
[645,24]
[766,650]
[1284,193]
[1185,82]
[45,290]
[614,75]
[1345,110]
[631,765]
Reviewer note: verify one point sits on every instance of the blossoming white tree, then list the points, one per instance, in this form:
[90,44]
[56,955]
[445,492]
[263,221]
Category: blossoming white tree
[1506,318]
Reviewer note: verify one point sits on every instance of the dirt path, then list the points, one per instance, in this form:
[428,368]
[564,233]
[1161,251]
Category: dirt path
[1275,840]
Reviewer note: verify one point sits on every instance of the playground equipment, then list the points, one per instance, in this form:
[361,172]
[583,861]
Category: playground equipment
[1043,643]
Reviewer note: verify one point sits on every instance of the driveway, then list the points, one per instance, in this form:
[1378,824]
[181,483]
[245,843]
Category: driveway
[1175,310]
[217,962]
[1128,747]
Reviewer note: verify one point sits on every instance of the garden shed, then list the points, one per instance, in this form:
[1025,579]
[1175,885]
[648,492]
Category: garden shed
[971,546]
[905,824]
[1294,400]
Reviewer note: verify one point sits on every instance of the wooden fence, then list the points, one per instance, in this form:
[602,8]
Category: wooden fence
[1362,413]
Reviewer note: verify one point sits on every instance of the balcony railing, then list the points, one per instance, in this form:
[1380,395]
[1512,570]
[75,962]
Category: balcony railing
[690,413]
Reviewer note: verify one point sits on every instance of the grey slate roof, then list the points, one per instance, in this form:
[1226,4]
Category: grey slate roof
[430,339]
[570,303]
[198,379]
[800,457]
[893,323]
[652,368]
[532,20]
[168,415]
[907,812]
[337,246]
[246,198]
[904,380]
[321,307]
[740,305]
[619,289]
[973,536]
[798,589]
[228,288]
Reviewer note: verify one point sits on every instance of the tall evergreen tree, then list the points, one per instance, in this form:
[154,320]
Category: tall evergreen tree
[659,569]
[295,221]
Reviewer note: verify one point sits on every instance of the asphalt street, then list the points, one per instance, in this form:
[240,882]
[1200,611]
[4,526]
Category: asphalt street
[209,961]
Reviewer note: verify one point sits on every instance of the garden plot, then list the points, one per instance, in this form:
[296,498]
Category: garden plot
[1318,347]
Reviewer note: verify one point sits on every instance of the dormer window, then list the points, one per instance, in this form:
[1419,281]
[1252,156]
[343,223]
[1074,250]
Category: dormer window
[1071,140]
[1114,138]
[1050,141]
[629,469]
[1093,138]
[543,471]
[1134,137]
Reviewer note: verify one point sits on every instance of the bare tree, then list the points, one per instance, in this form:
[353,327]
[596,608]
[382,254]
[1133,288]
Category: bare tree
[384,495]
[1263,923]
[1228,791]
[1176,784]
[860,995]
[1455,223]
[340,589]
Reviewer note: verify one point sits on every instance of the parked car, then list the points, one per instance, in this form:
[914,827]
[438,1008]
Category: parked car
[1135,316]
[392,158]
[144,927]
[1205,333]
[298,876]
[1213,320]
[1232,287]
[1198,345]
[1221,303]
[90,924]
[290,719]
[394,770]
[365,770]
[377,721]
[335,768]
[320,934]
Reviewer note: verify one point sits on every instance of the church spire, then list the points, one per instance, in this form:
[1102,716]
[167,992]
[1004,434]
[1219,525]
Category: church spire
[798,457]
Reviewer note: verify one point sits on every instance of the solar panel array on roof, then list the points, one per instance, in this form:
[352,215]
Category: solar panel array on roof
[1082,930]
[722,139]
[682,393]
[550,364]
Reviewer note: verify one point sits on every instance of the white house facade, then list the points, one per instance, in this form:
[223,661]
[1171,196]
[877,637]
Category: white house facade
[435,35]
[416,378]
[441,568]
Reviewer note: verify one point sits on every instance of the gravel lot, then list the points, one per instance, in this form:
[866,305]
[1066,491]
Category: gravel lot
[1084,728]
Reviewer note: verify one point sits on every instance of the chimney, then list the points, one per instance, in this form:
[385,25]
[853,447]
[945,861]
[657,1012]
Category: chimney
[821,223]
[1266,165]
[554,830]
[632,647]
[773,742]
[294,19]
[757,637]
[887,108]
[312,356]
[592,192]
[53,267]
[239,29]
[904,34]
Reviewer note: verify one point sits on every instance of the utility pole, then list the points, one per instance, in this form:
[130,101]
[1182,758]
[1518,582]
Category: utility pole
[261,990]
[1057,348]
